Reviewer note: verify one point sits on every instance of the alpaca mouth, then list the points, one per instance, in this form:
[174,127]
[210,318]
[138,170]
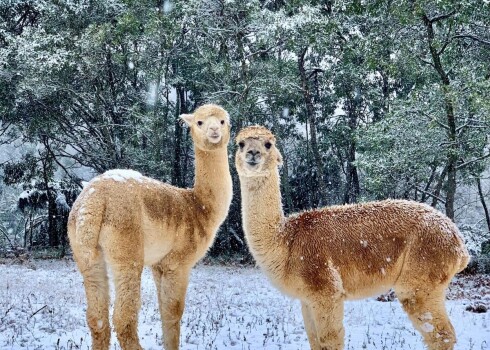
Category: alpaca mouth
[215,138]
[252,162]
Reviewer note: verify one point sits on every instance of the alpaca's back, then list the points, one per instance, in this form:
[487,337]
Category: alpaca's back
[147,214]
[371,245]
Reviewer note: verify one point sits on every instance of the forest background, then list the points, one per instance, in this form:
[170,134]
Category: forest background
[369,100]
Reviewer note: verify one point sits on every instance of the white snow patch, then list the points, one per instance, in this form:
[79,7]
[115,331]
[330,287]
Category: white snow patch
[167,6]
[100,323]
[427,327]
[61,202]
[122,175]
[285,112]
[226,308]
[152,94]
[92,190]
[388,259]
[24,194]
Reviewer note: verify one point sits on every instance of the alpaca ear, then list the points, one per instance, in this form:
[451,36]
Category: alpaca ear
[279,159]
[187,118]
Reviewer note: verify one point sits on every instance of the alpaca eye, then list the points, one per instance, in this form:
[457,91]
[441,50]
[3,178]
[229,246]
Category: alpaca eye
[268,145]
[241,144]
[222,122]
[199,123]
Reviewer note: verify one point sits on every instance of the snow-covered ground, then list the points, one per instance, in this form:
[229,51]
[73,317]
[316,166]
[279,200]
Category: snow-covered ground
[42,306]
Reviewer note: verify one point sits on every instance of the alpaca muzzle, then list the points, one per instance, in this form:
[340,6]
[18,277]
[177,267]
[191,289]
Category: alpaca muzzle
[253,157]
[214,137]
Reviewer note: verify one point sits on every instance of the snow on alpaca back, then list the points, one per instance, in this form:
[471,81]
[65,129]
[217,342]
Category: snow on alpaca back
[118,175]
[123,175]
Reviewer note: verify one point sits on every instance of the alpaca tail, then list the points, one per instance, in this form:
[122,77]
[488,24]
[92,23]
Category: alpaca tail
[465,259]
[464,256]
[87,219]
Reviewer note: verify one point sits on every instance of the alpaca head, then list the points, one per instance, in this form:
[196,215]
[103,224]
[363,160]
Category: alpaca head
[210,127]
[257,154]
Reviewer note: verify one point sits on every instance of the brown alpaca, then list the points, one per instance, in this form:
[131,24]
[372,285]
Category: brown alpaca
[329,255]
[124,220]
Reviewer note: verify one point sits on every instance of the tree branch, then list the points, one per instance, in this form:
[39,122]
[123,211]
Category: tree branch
[7,237]
[441,17]
[473,37]
[48,148]
[447,40]
[40,309]
[443,48]
[426,62]
[465,164]
[431,195]
[259,52]
[432,119]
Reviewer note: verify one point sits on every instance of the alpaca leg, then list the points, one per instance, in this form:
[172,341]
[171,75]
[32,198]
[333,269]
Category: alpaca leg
[428,314]
[127,281]
[97,291]
[309,326]
[328,316]
[171,288]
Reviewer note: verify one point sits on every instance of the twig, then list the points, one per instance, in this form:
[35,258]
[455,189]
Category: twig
[441,17]
[473,37]
[465,164]
[7,237]
[431,194]
[37,311]
[6,312]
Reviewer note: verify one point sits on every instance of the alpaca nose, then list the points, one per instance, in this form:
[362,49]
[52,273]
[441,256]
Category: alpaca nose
[253,155]
[214,128]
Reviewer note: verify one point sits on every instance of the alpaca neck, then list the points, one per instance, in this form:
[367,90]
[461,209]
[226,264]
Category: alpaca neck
[262,212]
[212,184]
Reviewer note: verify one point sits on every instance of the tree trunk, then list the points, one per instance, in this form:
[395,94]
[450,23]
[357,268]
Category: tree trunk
[352,188]
[483,202]
[310,113]
[176,165]
[437,189]
[380,111]
[429,183]
[452,151]
[286,188]
[53,237]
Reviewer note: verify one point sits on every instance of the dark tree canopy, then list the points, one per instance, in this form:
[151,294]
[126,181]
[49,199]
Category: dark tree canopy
[369,100]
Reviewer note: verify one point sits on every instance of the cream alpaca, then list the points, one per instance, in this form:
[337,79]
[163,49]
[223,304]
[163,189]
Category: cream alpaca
[125,220]
[329,255]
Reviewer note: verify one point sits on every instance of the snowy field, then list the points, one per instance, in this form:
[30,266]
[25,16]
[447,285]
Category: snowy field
[42,306]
